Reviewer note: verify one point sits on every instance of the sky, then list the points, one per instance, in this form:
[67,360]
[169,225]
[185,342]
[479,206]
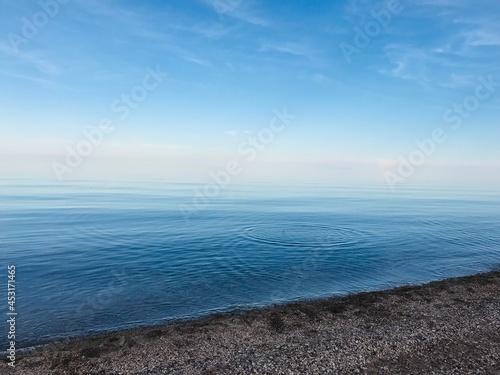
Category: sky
[313,91]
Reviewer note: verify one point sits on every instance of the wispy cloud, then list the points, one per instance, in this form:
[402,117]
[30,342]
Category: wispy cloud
[26,77]
[237,9]
[429,68]
[31,59]
[291,48]
[408,63]
[480,38]
[452,60]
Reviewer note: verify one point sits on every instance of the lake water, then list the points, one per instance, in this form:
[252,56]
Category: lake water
[93,257]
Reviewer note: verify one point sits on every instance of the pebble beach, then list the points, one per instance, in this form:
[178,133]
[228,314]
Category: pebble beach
[444,327]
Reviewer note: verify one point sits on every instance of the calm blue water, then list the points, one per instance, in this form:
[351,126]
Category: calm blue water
[93,257]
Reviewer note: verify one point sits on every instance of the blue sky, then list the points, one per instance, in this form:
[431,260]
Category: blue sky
[228,65]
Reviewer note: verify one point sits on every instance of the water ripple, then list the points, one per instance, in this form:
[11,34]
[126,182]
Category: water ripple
[305,235]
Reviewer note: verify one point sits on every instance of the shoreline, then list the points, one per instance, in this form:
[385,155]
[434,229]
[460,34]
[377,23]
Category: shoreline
[448,326]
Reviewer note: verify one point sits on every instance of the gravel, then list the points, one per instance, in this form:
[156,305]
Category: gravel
[444,327]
